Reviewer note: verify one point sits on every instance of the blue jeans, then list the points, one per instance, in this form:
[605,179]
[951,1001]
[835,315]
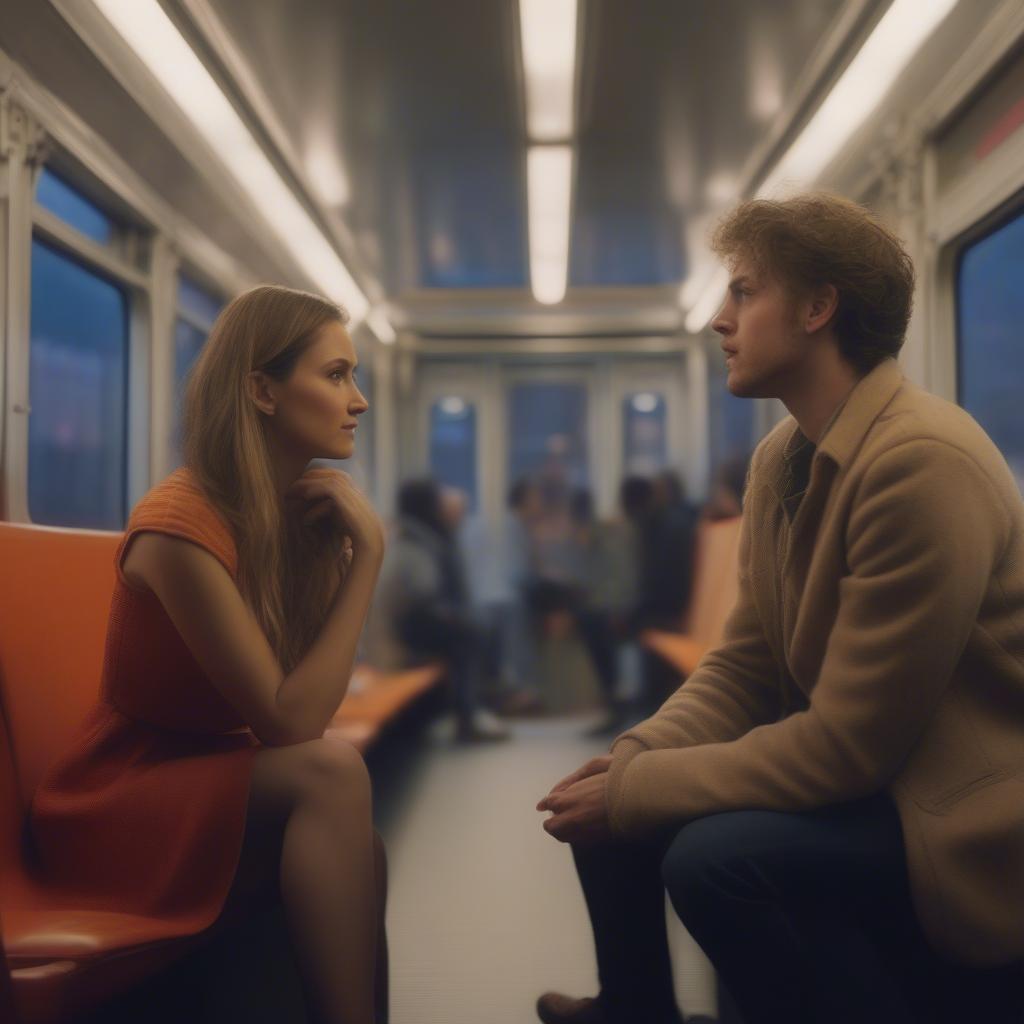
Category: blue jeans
[806,916]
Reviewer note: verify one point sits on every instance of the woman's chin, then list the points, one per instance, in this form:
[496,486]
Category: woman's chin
[343,449]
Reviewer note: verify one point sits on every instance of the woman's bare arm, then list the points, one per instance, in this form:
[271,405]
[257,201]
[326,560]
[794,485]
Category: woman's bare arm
[226,639]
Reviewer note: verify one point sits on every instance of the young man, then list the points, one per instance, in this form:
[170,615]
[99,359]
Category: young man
[835,798]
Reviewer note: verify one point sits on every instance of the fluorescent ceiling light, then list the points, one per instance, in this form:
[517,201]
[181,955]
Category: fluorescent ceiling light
[549,67]
[645,402]
[159,45]
[378,322]
[888,50]
[326,173]
[453,406]
[549,182]
[870,75]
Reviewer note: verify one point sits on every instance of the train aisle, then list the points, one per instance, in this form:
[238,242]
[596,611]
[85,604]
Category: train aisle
[485,911]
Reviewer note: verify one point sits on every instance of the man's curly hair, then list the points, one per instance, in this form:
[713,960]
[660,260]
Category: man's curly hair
[817,239]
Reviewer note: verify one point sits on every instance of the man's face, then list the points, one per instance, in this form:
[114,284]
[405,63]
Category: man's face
[764,346]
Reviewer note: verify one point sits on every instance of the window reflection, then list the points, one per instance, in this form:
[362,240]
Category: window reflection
[453,445]
[78,393]
[644,433]
[990,309]
[547,432]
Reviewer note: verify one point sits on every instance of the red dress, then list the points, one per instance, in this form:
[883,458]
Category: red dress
[145,814]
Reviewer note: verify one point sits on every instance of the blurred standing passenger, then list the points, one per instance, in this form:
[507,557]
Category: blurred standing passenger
[518,643]
[421,611]
[606,588]
[202,776]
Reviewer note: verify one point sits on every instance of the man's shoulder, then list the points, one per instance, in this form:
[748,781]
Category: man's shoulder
[934,428]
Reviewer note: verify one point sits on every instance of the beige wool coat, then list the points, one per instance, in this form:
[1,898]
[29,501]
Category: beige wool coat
[877,643]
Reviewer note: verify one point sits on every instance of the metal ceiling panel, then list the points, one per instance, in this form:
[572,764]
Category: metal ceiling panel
[675,95]
[418,106]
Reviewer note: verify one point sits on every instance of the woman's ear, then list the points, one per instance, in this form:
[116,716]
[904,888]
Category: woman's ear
[260,391]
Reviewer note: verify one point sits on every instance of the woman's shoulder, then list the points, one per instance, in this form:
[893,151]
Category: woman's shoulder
[179,506]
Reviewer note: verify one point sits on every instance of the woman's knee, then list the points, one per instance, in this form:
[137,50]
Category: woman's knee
[336,772]
[325,772]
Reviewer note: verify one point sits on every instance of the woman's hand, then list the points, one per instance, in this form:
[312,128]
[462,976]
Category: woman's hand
[330,492]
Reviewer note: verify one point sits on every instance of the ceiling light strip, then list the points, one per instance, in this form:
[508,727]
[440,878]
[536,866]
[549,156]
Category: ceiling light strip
[160,46]
[896,39]
[549,71]
[548,30]
[869,76]
[549,182]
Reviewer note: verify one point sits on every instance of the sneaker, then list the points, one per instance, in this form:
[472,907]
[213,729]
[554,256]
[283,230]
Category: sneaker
[483,727]
[555,1008]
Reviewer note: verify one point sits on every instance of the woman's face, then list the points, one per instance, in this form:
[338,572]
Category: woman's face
[316,408]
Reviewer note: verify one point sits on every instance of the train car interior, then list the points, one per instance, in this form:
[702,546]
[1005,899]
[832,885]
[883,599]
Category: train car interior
[512,201]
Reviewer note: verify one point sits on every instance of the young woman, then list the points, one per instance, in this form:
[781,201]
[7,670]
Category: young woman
[243,583]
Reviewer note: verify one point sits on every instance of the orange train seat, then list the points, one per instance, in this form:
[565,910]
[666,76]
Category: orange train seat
[53,615]
[715,586]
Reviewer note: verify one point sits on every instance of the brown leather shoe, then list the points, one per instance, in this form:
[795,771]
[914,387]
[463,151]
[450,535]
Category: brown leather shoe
[555,1008]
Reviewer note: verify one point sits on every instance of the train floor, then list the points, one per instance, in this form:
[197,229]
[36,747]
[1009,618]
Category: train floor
[485,910]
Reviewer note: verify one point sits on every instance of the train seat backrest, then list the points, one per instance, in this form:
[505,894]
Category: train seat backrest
[54,603]
[714,578]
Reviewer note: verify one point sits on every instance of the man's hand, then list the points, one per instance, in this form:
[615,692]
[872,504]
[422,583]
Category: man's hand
[595,766]
[577,803]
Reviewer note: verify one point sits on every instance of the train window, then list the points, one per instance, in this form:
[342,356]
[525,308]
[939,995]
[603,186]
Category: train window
[644,432]
[197,310]
[55,195]
[196,303]
[990,309]
[78,390]
[547,432]
[453,445]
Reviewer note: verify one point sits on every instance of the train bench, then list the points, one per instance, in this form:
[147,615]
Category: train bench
[715,585]
[56,592]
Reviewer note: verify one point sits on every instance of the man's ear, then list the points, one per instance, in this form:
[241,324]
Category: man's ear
[820,308]
[260,391]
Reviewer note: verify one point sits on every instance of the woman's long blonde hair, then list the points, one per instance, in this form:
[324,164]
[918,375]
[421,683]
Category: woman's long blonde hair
[287,573]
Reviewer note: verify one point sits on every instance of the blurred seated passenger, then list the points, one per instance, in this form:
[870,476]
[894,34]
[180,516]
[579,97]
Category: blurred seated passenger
[674,523]
[202,777]
[835,798]
[659,599]
[551,588]
[421,611]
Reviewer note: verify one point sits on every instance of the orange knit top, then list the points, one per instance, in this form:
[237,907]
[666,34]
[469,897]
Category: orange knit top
[145,815]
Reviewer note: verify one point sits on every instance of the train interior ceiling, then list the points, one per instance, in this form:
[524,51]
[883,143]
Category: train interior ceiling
[513,200]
